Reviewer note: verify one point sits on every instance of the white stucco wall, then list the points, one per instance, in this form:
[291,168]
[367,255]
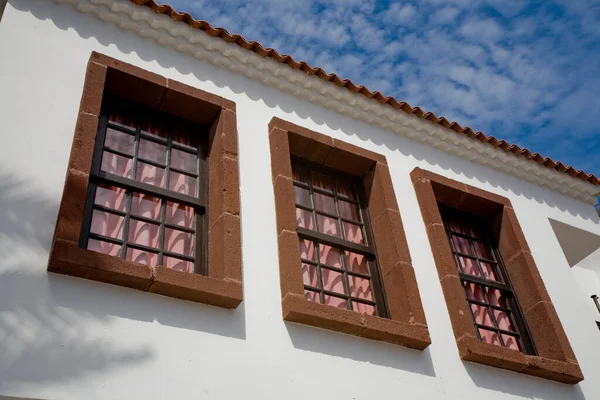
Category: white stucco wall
[69,338]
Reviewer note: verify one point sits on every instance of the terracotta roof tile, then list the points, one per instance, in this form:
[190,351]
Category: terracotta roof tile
[352,87]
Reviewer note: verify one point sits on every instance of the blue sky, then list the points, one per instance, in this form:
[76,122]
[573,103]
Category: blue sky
[524,71]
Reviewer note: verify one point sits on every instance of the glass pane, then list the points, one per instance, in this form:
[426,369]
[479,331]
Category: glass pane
[111,196]
[312,296]
[474,291]
[119,141]
[307,250]
[496,298]
[150,174]
[323,182]
[462,245]
[179,242]
[345,189]
[363,308]
[353,233]
[330,256]
[455,224]
[301,175]
[152,151]
[100,246]
[324,203]
[185,161]
[178,265]
[503,321]
[184,133]
[181,183]
[107,224]
[145,205]
[333,281]
[336,302]
[511,342]
[356,262]
[468,266]
[302,196]
[305,219]
[328,225]
[309,275]
[143,233]
[360,288]
[179,214]
[483,250]
[154,126]
[117,165]
[489,337]
[124,119]
[482,315]
[142,257]
[348,210]
[475,231]
[489,271]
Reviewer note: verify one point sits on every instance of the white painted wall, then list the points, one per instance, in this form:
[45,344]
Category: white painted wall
[68,338]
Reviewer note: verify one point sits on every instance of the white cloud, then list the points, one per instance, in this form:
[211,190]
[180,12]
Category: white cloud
[444,16]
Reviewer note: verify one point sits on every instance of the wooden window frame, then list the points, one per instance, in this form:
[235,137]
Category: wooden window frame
[555,359]
[222,283]
[406,324]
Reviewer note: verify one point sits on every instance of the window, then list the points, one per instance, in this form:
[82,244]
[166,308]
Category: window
[147,181]
[493,305]
[339,267]
[151,195]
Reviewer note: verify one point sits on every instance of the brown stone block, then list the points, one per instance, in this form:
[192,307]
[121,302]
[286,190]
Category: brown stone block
[68,259]
[280,154]
[129,69]
[187,286]
[290,266]
[560,371]
[379,191]
[441,250]
[70,213]
[297,309]
[391,241]
[403,298]
[200,95]
[451,196]
[223,138]
[456,302]
[548,333]
[509,234]
[314,147]
[428,205]
[415,336]
[223,190]
[526,280]
[348,148]
[285,205]
[472,349]
[490,197]
[185,106]
[84,140]
[135,87]
[93,89]
[341,158]
[225,249]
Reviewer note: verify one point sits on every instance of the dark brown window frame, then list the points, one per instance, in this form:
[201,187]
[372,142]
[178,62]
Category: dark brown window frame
[555,359]
[406,324]
[222,284]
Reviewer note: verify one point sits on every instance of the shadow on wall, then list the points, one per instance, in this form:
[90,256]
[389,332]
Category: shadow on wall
[56,328]
[359,349]
[127,42]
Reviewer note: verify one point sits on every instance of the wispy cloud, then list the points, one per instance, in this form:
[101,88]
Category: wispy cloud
[522,70]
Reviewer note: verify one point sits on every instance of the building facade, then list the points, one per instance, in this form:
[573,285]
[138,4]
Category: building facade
[188,215]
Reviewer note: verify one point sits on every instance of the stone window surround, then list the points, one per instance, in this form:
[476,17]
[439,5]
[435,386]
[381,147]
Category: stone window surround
[223,285]
[407,325]
[555,359]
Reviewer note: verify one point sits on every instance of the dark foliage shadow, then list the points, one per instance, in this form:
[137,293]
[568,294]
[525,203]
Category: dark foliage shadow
[359,349]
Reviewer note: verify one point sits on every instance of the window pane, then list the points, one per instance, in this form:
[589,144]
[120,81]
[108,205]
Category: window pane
[360,288]
[503,321]
[142,257]
[117,165]
[150,174]
[181,183]
[496,298]
[511,342]
[348,210]
[363,308]
[154,126]
[307,250]
[333,281]
[489,336]
[462,245]
[143,233]
[305,219]
[152,151]
[336,302]
[489,271]
[301,175]
[482,315]
[179,242]
[328,225]
[323,182]
[483,250]
[177,264]
[107,224]
[145,205]
[100,246]
[185,161]
[309,275]
[179,214]
[356,262]
[324,203]
[353,233]
[468,266]
[111,196]
[345,189]
[474,291]
[312,296]
[330,256]
[302,197]
[119,141]
[124,119]
[455,224]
